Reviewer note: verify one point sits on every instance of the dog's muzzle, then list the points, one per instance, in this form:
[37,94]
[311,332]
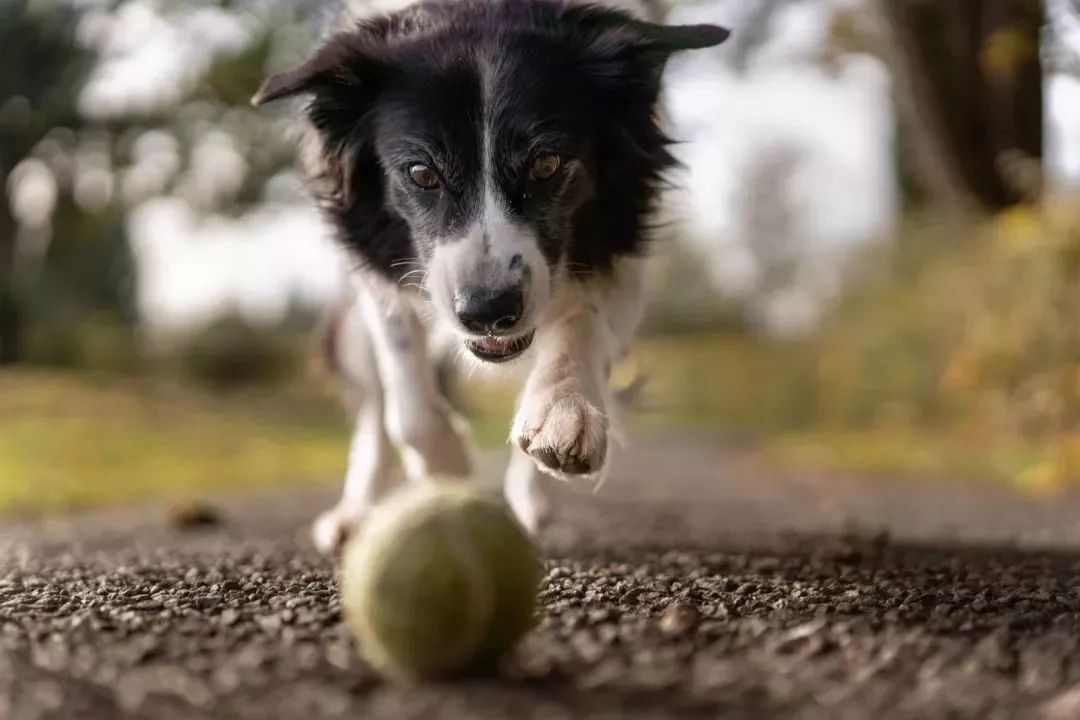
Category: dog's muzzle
[494,318]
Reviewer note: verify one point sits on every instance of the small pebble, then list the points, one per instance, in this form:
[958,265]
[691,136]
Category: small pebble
[678,619]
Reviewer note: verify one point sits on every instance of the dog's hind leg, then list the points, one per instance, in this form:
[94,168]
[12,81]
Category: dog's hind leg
[428,434]
[371,458]
[567,408]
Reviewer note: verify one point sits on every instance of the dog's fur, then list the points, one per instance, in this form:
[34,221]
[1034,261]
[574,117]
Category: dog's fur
[432,132]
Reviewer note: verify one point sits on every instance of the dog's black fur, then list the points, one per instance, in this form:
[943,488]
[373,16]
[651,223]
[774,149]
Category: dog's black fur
[536,76]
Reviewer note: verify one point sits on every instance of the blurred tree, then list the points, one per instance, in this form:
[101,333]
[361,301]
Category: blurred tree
[44,66]
[9,315]
[68,272]
[972,76]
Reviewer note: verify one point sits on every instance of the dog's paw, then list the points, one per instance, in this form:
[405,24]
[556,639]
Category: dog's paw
[335,526]
[563,432]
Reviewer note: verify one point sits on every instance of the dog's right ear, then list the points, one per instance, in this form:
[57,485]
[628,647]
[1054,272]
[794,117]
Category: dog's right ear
[343,61]
[285,84]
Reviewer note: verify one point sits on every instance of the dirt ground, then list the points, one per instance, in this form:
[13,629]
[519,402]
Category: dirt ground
[697,584]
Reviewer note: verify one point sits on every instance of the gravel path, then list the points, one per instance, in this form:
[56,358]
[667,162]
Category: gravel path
[698,584]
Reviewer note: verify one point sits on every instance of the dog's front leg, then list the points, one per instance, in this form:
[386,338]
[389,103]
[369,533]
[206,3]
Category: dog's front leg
[562,420]
[564,416]
[428,435]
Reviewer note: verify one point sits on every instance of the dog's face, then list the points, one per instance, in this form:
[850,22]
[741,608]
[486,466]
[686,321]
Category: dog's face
[495,148]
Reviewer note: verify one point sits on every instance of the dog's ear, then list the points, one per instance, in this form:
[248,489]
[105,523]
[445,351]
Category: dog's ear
[286,84]
[610,28]
[676,38]
[618,50]
[345,60]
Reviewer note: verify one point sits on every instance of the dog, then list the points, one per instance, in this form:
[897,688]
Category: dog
[493,167]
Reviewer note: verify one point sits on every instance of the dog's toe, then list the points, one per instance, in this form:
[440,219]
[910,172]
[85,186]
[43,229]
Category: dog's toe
[581,465]
[546,456]
[565,435]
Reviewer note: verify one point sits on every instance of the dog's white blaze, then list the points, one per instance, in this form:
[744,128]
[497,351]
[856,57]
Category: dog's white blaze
[505,238]
[484,257]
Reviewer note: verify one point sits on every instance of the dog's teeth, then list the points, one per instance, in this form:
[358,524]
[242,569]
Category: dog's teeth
[497,349]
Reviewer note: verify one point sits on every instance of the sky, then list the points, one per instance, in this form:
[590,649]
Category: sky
[802,150]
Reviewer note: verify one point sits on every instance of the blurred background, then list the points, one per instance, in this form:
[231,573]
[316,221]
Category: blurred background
[871,263]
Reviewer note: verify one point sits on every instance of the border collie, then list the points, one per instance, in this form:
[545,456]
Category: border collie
[492,166]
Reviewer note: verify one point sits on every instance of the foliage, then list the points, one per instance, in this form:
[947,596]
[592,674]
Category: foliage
[87,340]
[1016,365]
[105,162]
[971,342]
[43,65]
[231,354]
[47,65]
[975,329]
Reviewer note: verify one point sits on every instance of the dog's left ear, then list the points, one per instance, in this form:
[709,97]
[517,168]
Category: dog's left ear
[608,31]
[620,51]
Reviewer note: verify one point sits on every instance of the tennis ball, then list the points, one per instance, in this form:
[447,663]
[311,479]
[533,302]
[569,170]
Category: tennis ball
[441,581]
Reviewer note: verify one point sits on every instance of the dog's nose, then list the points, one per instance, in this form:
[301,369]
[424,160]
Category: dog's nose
[490,312]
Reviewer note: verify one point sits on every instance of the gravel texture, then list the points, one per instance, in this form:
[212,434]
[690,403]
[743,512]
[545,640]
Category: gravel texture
[698,584]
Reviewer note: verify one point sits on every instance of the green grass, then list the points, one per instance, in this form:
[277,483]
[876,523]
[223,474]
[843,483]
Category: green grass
[69,441]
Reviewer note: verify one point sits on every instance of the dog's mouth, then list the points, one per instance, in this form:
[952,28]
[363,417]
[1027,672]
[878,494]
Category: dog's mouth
[495,349]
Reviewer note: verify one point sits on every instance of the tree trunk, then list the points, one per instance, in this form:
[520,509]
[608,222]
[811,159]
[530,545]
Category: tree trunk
[973,84]
[10,310]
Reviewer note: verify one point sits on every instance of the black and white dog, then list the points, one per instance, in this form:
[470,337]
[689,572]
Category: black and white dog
[499,159]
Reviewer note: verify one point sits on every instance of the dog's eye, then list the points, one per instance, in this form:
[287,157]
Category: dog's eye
[424,176]
[544,166]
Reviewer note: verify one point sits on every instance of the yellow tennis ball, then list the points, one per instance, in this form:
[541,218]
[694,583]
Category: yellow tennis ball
[442,580]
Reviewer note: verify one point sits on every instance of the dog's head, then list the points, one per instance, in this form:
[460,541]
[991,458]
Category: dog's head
[495,148]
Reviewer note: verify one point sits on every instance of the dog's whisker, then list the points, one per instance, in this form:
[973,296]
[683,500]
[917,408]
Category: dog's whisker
[427,312]
[578,270]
